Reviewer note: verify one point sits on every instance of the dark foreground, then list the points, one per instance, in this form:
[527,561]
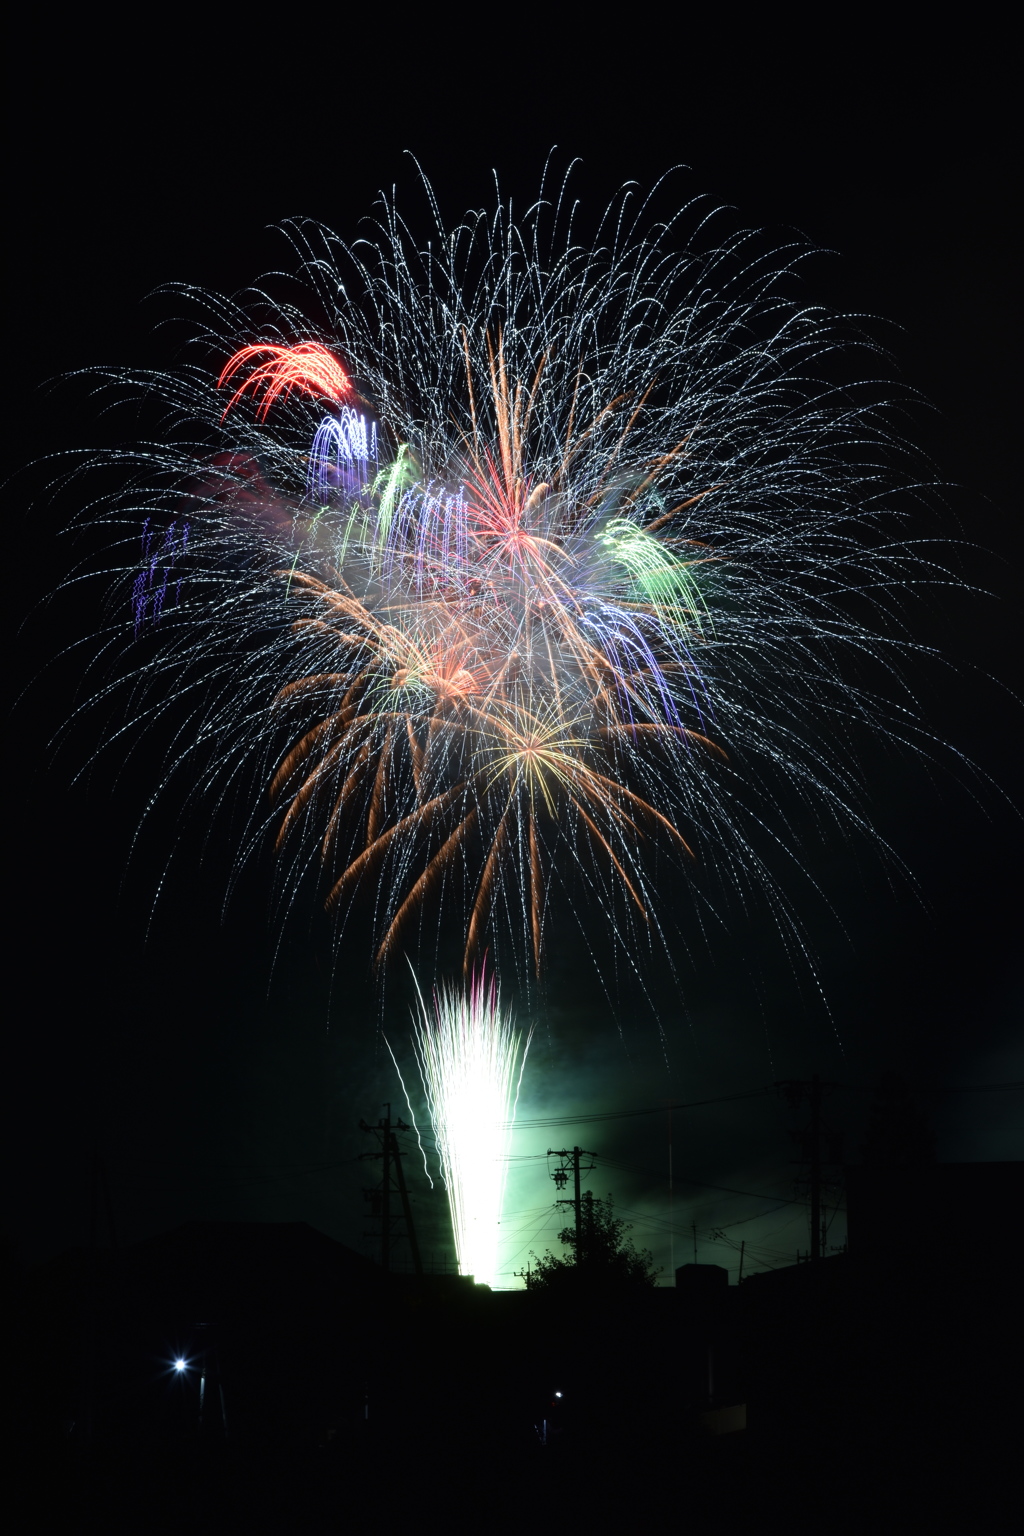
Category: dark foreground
[845,1395]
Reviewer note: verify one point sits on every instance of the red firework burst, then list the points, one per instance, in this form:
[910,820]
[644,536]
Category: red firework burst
[307,367]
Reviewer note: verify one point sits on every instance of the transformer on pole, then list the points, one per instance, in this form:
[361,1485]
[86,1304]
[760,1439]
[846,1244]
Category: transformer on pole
[571,1159]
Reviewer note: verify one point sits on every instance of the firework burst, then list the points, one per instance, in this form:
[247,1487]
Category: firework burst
[471,1060]
[572,571]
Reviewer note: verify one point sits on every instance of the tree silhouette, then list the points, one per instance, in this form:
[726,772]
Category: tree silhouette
[600,1257]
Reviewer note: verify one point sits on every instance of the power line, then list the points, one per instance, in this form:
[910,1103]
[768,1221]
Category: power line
[551,1121]
[725,1189]
[213,1171]
[627,1114]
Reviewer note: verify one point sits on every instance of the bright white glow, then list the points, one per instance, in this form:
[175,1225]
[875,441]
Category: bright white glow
[180,1365]
[470,1063]
[558,1394]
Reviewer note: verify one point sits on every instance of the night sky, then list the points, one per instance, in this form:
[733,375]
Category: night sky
[163,1030]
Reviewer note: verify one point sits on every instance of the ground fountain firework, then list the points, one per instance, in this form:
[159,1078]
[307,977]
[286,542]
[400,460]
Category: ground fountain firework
[533,560]
[471,1059]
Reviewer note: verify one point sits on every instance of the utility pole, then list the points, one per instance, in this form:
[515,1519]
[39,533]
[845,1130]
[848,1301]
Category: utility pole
[385,1196]
[671,1207]
[816,1235]
[390,1154]
[410,1230]
[561,1178]
[812,1093]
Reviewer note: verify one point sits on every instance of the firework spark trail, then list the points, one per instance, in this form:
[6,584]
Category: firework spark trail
[583,565]
[308,367]
[350,442]
[471,1060]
